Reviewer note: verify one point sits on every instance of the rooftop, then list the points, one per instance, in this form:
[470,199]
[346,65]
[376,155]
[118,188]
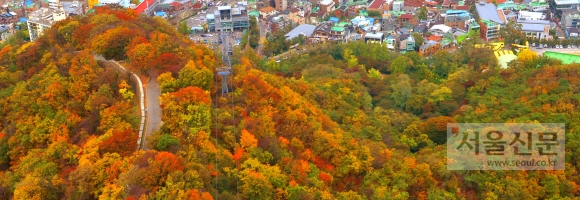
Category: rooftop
[326,2]
[374,35]
[488,11]
[143,6]
[566,2]
[44,16]
[533,27]
[376,4]
[302,29]
[225,7]
[546,22]
[337,29]
[267,9]
[441,27]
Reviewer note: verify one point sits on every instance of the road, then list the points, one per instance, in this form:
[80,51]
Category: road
[152,93]
[262,27]
[152,107]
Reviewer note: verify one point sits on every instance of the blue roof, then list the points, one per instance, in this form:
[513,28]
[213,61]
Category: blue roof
[23,19]
[8,15]
[161,14]
[488,11]
[334,19]
[210,16]
[455,12]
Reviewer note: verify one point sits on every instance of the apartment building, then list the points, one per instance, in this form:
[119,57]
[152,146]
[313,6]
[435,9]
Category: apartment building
[42,19]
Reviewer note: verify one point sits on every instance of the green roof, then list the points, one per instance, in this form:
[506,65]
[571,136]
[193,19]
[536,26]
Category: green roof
[566,58]
[536,3]
[398,13]
[489,23]
[336,28]
[254,13]
[343,24]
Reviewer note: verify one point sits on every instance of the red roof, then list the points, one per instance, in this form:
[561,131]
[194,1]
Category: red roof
[376,4]
[143,5]
[406,16]
[175,4]
[462,8]
[414,3]
[434,38]
[433,3]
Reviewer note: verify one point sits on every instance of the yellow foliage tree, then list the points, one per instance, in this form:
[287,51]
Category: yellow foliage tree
[248,140]
[527,55]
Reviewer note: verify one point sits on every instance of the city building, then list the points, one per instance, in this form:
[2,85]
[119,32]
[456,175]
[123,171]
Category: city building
[539,31]
[267,12]
[275,23]
[327,5]
[227,18]
[42,19]
[407,44]
[296,16]
[489,29]
[491,21]
[457,21]
[281,5]
[374,37]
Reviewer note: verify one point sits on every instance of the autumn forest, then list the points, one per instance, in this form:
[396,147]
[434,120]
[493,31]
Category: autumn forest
[340,121]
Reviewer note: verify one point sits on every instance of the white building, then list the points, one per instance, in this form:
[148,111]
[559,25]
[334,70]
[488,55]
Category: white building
[42,19]
[124,3]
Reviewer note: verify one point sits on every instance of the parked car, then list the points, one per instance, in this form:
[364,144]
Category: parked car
[539,47]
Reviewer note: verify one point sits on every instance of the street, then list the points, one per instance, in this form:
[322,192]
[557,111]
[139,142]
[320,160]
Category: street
[262,27]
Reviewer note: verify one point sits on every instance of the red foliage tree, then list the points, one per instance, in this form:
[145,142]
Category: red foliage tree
[168,62]
[163,164]
[122,142]
[82,33]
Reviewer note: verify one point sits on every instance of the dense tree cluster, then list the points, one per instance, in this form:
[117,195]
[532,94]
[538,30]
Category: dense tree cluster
[348,121]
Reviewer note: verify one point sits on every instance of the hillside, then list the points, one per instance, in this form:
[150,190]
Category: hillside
[350,121]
